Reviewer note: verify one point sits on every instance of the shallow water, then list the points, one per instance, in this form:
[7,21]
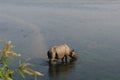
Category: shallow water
[92,28]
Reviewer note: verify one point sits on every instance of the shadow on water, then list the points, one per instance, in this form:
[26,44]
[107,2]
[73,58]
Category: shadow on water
[60,70]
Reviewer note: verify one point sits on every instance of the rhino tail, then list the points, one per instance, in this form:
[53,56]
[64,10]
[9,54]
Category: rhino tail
[49,55]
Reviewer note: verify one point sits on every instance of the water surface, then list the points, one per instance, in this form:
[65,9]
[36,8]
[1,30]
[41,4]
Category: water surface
[92,28]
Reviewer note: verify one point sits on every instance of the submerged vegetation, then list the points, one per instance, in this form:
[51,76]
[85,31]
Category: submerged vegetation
[6,72]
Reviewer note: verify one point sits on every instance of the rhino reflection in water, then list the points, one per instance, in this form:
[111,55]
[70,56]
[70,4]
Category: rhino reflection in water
[60,70]
[61,52]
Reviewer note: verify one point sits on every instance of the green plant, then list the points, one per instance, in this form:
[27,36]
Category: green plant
[6,72]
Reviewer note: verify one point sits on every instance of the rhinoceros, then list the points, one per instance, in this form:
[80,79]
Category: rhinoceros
[61,52]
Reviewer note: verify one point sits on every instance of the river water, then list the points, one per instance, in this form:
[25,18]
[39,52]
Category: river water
[92,28]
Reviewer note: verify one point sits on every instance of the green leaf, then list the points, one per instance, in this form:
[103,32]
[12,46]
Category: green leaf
[5,61]
[35,77]
[21,73]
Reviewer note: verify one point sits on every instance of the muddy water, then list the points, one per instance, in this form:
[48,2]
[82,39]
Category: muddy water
[92,28]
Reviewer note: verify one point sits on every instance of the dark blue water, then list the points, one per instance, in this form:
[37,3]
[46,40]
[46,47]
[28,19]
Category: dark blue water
[92,28]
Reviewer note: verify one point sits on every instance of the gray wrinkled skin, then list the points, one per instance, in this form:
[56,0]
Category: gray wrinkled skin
[61,52]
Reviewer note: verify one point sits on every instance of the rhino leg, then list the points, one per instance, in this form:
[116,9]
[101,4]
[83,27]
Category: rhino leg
[51,61]
[62,59]
[65,58]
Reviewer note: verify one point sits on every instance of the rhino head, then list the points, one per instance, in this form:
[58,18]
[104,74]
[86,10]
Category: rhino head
[73,54]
